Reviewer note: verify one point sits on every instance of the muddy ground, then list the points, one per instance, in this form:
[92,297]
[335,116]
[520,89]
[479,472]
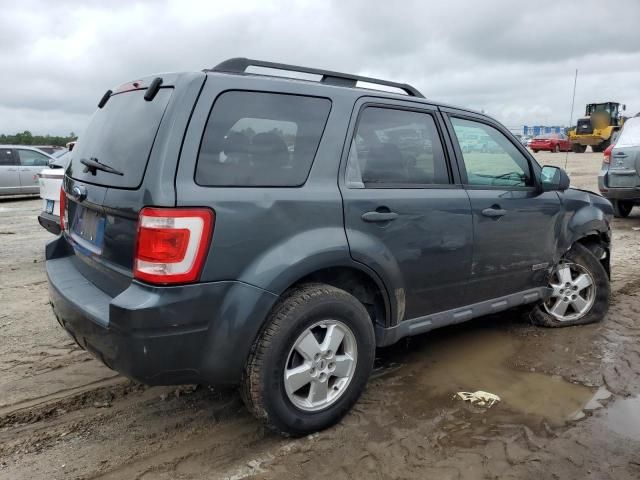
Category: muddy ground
[570,409]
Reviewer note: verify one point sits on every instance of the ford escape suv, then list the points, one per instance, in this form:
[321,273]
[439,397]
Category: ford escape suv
[235,226]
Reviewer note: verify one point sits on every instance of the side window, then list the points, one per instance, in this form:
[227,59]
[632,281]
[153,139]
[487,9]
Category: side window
[31,158]
[6,157]
[395,147]
[490,159]
[261,139]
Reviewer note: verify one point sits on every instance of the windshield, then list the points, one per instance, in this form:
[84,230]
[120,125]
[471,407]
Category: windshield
[120,135]
[62,161]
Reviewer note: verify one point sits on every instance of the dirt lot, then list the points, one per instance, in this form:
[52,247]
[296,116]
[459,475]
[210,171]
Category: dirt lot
[570,409]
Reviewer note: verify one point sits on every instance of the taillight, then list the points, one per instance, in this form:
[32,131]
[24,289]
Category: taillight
[63,209]
[172,244]
[607,154]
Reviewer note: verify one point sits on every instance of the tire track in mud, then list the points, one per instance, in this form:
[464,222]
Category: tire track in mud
[40,408]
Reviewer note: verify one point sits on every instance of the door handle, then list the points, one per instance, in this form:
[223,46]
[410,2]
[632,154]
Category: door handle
[620,155]
[494,212]
[379,216]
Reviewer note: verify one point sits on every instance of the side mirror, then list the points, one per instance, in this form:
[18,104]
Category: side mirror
[624,107]
[554,178]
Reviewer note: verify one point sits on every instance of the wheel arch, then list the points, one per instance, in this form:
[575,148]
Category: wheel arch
[598,243]
[357,280]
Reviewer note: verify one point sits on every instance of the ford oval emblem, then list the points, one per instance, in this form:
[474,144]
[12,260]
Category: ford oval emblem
[79,193]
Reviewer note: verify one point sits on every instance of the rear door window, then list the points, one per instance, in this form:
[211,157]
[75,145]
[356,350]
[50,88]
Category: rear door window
[31,158]
[6,157]
[261,139]
[120,135]
[398,148]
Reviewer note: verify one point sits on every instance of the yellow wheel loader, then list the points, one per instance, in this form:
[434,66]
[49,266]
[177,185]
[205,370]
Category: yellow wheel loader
[598,128]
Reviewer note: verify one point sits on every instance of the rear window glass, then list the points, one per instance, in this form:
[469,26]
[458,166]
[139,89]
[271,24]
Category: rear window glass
[630,136]
[261,139]
[120,135]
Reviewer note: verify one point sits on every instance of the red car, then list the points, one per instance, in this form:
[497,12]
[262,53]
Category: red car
[552,142]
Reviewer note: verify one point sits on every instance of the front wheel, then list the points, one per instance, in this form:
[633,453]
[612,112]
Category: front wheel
[312,361]
[580,291]
[577,148]
[622,208]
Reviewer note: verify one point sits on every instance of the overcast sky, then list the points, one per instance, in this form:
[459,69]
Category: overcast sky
[517,63]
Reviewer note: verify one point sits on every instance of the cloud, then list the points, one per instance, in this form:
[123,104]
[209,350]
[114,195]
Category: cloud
[515,62]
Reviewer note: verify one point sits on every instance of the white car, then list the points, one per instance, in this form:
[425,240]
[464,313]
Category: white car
[50,180]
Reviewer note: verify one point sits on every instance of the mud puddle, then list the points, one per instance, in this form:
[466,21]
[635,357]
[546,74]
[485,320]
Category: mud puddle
[432,368]
[623,417]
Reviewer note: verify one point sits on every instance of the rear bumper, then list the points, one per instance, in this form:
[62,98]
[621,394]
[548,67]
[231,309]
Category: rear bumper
[199,333]
[49,222]
[621,193]
[616,193]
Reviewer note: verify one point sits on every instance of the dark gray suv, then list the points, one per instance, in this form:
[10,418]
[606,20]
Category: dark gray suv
[227,227]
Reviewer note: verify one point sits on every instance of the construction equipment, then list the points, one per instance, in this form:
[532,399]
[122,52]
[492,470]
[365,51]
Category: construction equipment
[598,128]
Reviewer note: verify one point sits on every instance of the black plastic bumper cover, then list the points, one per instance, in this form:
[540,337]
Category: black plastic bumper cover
[49,222]
[199,333]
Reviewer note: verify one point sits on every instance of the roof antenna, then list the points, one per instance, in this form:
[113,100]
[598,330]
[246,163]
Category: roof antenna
[573,100]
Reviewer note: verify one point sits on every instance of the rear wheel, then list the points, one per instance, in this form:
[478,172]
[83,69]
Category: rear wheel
[535,151]
[622,208]
[581,291]
[577,148]
[312,362]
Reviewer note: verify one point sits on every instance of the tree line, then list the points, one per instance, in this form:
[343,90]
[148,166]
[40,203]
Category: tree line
[27,138]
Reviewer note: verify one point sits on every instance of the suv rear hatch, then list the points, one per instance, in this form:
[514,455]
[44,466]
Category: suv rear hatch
[624,170]
[125,160]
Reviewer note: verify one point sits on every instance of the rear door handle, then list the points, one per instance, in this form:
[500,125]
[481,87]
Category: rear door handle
[494,212]
[379,216]
[620,155]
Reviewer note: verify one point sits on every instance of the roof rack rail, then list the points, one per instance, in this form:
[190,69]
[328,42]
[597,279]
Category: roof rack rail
[240,65]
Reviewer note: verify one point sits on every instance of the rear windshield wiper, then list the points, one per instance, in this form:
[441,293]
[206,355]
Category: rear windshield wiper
[93,165]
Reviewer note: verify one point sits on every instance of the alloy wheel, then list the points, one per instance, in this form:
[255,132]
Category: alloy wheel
[320,365]
[574,292]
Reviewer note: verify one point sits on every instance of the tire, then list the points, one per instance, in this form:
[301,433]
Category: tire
[580,258]
[577,148]
[601,147]
[535,151]
[622,208]
[264,388]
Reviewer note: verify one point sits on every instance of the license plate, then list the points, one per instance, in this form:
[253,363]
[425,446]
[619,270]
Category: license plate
[88,229]
[622,180]
[50,204]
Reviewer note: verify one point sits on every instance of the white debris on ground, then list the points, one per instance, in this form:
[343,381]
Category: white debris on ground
[479,398]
